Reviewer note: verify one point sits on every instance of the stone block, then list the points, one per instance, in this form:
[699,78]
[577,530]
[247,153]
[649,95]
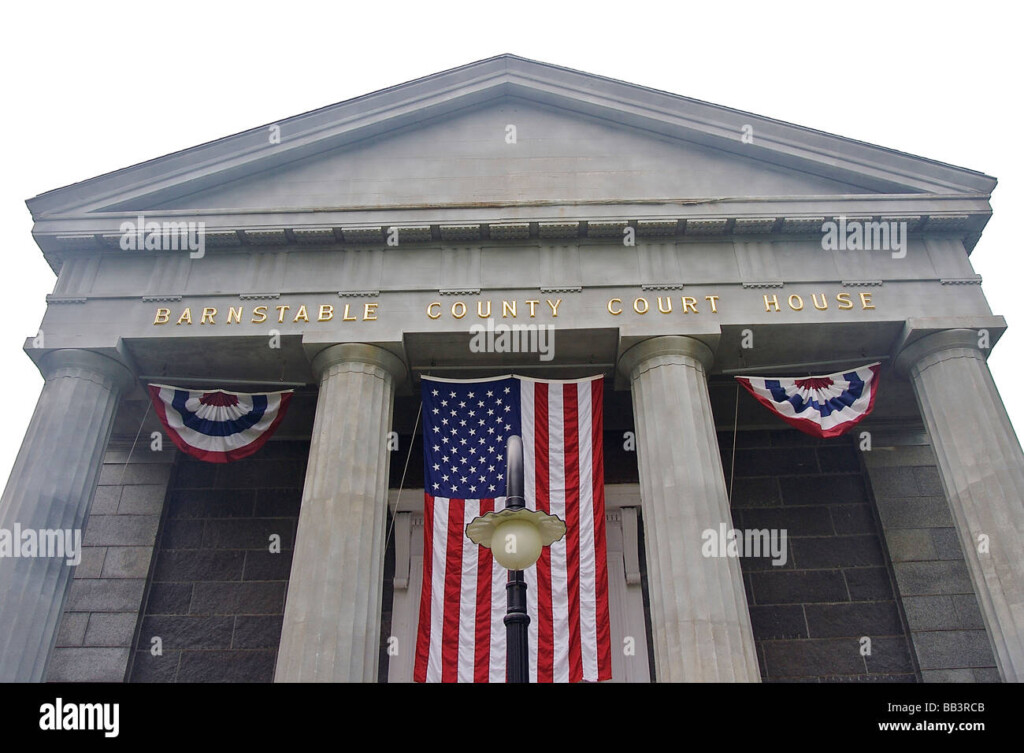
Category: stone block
[910,544]
[873,619]
[778,622]
[88,665]
[186,565]
[143,499]
[836,551]
[227,666]
[868,583]
[113,595]
[851,519]
[238,598]
[953,649]
[265,565]
[113,629]
[811,658]
[254,533]
[127,562]
[798,521]
[798,587]
[914,512]
[922,578]
[930,613]
[835,489]
[190,632]
[121,530]
[257,632]
[72,629]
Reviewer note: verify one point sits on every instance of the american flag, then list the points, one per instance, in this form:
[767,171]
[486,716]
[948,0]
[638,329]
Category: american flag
[466,426]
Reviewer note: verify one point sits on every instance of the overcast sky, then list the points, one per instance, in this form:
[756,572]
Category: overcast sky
[93,87]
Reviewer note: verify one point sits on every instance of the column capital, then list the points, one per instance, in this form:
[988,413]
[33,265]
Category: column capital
[359,353]
[666,345]
[937,342]
[122,377]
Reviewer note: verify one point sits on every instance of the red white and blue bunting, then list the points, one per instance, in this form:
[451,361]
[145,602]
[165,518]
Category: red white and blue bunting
[822,406]
[218,426]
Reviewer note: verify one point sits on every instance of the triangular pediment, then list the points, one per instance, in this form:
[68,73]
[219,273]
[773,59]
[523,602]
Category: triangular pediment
[444,140]
[510,151]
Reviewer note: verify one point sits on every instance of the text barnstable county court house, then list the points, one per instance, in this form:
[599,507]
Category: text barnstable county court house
[671,245]
[324,312]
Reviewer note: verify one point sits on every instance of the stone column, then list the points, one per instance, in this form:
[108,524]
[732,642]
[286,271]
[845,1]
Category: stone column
[982,471]
[331,629]
[699,610]
[51,488]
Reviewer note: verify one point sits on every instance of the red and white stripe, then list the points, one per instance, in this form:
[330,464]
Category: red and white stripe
[462,635]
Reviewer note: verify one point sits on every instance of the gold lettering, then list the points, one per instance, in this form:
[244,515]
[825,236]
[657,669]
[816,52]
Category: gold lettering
[636,305]
[480,309]
[301,314]
[533,308]
[799,300]
[508,307]
[368,309]
[713,300]
[234,315]
[824,301]
[186,316]
[668,302]
[845,304]
[162,316]
[462,308]
[689,304]
[345,317]
[430,313]
[280,313]
[554,307]
[865,301]
[769,302]
[208,312]
[326,313]
[611,310]
[261,312]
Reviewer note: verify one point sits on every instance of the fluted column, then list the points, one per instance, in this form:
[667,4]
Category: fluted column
[331,629]
[699,611]
[982,471]
[51,488]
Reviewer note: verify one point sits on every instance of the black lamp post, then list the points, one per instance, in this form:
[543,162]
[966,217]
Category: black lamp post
[515,536]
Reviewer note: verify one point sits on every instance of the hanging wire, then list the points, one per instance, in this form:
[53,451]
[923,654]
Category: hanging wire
[401,484]
[124,470]
[735,423]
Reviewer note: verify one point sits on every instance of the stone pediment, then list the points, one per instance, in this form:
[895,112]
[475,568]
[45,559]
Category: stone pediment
[578,137]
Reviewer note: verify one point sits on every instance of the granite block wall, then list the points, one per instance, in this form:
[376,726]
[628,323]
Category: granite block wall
[215,602]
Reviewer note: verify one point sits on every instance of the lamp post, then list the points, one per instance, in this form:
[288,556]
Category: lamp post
[515,536]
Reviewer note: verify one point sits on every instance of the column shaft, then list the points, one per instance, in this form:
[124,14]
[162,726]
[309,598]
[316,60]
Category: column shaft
[50,489]
[982,471]
[331,629]
[699,610]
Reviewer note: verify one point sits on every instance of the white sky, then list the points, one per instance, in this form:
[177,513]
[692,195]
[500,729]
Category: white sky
[93,87]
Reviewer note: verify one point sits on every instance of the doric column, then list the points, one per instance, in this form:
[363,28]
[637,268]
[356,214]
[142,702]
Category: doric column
[699,611]
[50,490]
[331,627]
[982,471]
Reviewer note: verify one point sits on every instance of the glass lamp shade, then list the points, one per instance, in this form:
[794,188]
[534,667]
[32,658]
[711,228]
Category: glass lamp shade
[516,536]
[516,544]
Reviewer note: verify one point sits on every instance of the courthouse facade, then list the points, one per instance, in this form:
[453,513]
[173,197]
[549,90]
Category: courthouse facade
[670,243]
